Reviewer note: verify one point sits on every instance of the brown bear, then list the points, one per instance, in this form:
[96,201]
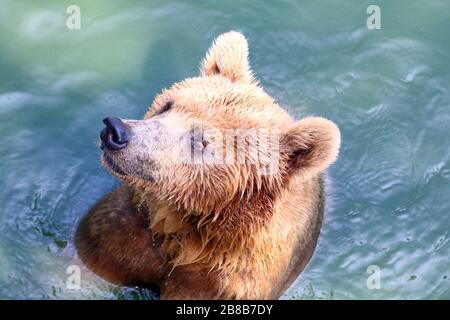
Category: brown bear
[222,194]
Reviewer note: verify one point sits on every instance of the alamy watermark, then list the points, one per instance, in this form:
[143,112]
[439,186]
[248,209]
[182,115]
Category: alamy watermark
[259,147]
[374,280]
[73,22]
[374,20]
[73,281]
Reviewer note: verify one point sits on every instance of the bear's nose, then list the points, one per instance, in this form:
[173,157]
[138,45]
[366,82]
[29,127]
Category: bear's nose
[116,135]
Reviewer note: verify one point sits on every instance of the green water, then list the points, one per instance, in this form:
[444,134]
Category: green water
[388,90]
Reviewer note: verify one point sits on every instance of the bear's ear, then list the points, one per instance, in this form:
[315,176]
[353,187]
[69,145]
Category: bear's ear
[310,146]
[228,56]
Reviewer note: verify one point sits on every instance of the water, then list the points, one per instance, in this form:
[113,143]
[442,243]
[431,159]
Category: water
[388,90]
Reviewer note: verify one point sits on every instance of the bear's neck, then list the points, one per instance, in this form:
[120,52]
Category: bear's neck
[217,239]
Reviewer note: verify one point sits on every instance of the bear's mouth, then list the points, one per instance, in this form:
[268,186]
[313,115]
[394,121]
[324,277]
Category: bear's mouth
[110,164]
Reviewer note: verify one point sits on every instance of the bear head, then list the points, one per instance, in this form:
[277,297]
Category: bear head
[217,139]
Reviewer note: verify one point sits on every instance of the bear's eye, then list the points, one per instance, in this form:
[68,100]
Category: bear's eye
[165,108]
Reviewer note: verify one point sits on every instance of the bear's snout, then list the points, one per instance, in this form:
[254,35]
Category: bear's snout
[116,135]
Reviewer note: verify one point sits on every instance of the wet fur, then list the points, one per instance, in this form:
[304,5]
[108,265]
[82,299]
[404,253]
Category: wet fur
[115,240]
[211,232]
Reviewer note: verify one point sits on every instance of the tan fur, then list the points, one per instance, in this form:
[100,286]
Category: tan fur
[218,230]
